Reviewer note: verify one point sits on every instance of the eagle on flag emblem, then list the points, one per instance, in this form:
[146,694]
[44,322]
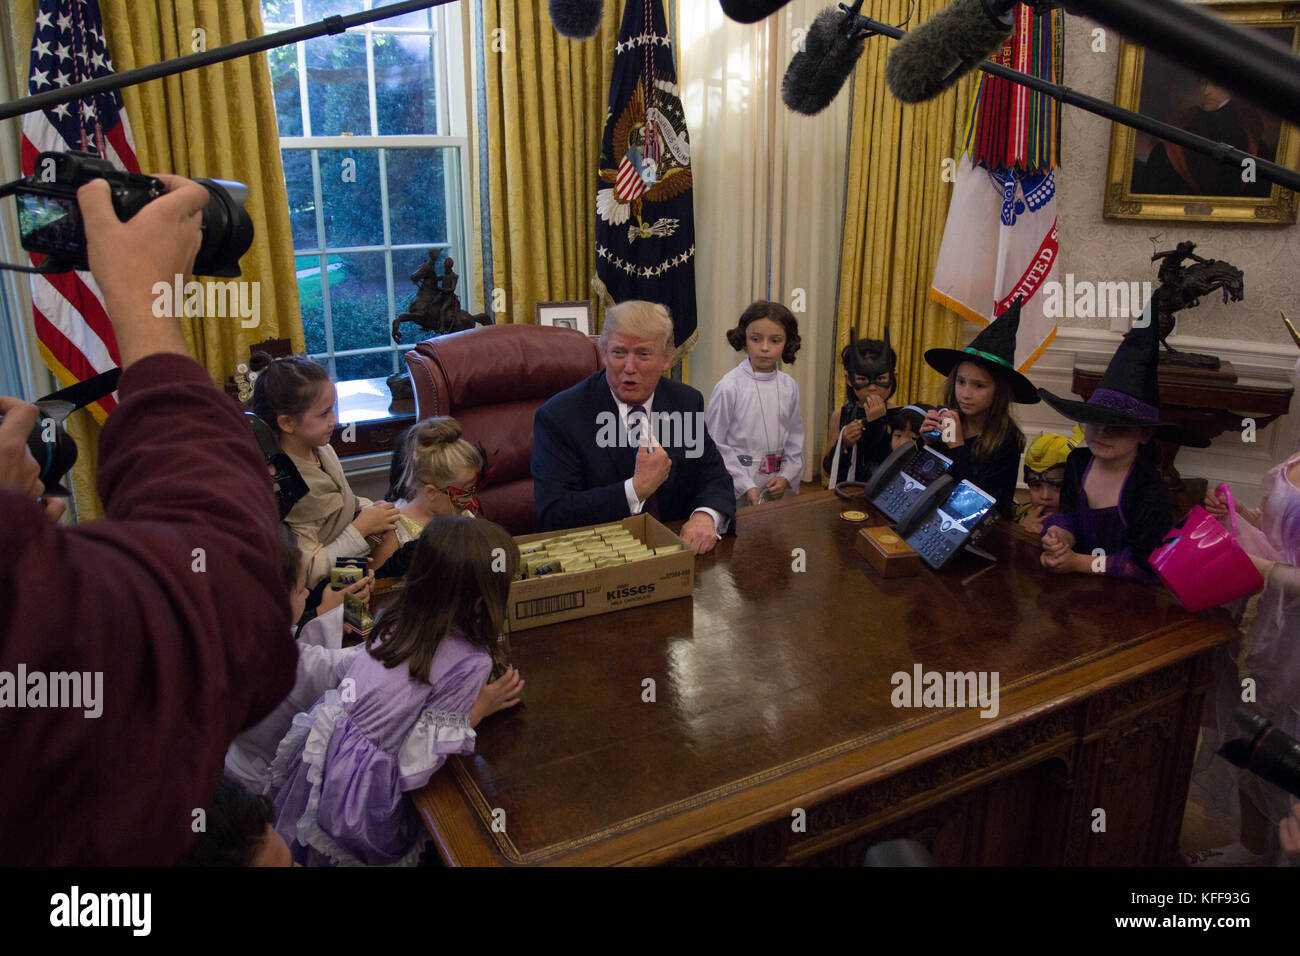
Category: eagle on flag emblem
[645,171]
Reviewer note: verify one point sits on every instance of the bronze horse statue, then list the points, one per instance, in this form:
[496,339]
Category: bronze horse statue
[436,307]
[1181,287]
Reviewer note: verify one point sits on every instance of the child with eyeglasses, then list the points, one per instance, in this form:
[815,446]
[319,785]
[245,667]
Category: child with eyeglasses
[857,438]
[441,476]
[1045,475]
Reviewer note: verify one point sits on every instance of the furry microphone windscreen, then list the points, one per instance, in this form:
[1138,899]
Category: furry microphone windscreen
[750,11]
[942,50]
[577,19]
[817,72]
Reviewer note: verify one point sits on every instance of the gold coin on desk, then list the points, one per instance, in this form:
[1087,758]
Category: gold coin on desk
[853,515]
[888,539]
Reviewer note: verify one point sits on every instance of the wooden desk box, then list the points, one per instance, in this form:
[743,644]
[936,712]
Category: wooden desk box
[888,554]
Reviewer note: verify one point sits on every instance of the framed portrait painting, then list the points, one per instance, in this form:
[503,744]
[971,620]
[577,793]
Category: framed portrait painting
[1150,178]
[565,315]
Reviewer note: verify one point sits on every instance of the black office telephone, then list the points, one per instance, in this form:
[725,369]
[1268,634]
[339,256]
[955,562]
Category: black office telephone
[947,517]
[903,478]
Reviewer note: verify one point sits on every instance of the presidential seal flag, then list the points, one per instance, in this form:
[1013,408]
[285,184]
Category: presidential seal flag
[645,227]
[1001,240]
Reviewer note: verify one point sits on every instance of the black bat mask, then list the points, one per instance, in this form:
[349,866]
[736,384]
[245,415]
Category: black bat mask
[867,369]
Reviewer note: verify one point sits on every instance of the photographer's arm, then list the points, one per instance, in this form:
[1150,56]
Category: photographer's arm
[173,600]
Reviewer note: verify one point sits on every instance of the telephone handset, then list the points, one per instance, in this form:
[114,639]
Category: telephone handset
[902,479]
[935,494]
[898,459]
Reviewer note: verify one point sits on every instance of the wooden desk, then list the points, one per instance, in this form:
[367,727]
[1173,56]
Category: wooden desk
[773,694]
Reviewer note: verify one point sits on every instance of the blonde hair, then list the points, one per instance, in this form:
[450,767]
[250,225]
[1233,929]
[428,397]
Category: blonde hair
[437,455]
[642,320]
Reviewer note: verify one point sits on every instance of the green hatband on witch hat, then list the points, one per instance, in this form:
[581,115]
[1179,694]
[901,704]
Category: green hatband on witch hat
[995,349]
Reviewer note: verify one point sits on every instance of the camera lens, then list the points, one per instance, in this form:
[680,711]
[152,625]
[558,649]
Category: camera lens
[227,229]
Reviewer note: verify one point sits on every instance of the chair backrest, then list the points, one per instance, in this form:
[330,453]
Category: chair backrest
[492,380]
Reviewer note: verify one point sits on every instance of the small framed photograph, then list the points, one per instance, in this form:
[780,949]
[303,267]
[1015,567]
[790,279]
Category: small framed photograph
[565,315]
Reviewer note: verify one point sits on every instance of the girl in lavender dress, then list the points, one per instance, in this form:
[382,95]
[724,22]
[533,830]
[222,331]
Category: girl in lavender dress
[403,706]
[1270,657]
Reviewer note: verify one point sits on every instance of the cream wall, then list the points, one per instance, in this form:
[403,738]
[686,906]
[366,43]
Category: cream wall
[1110,250]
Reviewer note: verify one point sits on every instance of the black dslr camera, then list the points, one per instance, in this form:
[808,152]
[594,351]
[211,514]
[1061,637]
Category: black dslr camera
[49,219]
[1266,752]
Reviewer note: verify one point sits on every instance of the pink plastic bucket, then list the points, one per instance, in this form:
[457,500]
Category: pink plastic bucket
[1203,564]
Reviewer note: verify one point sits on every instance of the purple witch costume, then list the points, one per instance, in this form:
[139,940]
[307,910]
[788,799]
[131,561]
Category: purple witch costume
[345,768]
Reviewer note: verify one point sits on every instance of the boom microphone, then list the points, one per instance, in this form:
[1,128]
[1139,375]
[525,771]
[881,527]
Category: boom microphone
[830,53]
[956,40]
[751,11]
[577,19]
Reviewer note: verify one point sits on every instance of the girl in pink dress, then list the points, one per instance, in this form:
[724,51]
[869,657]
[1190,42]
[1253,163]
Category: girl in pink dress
[403,706]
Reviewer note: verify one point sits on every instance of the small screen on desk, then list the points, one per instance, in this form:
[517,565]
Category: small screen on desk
[966,505]
[926,466]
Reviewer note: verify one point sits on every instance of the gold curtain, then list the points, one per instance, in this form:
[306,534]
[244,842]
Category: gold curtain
[545,100]
[217,122]
[895,211]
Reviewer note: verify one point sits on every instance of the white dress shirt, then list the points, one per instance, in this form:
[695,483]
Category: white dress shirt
[635,504]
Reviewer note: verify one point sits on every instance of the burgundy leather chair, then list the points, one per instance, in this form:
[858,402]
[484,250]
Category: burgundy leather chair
[492,380]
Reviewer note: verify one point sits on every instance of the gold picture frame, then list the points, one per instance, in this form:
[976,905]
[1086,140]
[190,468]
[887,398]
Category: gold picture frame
[1146,180]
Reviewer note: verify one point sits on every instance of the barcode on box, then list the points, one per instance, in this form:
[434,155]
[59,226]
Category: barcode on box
[553,604]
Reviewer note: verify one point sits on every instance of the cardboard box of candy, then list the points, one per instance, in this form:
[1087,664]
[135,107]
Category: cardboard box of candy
[584,571]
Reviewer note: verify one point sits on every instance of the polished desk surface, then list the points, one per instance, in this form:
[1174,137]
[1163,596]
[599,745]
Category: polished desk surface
[773,688]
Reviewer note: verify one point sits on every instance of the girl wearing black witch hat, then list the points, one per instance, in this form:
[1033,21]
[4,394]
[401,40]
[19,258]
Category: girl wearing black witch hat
[857,439]
[974,426]
[1114,507]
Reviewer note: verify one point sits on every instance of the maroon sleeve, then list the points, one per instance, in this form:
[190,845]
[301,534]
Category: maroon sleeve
[176,597]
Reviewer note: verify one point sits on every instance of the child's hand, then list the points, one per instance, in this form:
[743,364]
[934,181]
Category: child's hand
[777,487]
[498,695]
[1057,541]
[376,519]
[851,432]
[1033,520]
[1289,832]
[874,407]
[1059,562]
[331,598]
[1216,504]
[753,495]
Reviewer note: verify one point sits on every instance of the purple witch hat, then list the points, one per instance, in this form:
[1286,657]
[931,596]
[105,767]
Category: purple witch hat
[1129,393]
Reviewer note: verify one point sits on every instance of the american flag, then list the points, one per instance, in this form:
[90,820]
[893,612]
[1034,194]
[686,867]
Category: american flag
[72,328]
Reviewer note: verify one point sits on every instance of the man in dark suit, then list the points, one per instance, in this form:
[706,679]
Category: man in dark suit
[627,440]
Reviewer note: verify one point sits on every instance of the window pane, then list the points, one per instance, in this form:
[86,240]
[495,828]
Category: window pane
[404,87]
[417,194]
[349,184]
[359,302]
[336,85]
[302,198]
[314,10]
[288,95]
[278,12]
[378,365]
[309,297]
[419,20]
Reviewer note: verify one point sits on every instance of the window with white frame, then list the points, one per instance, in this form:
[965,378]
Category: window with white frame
[374,140]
